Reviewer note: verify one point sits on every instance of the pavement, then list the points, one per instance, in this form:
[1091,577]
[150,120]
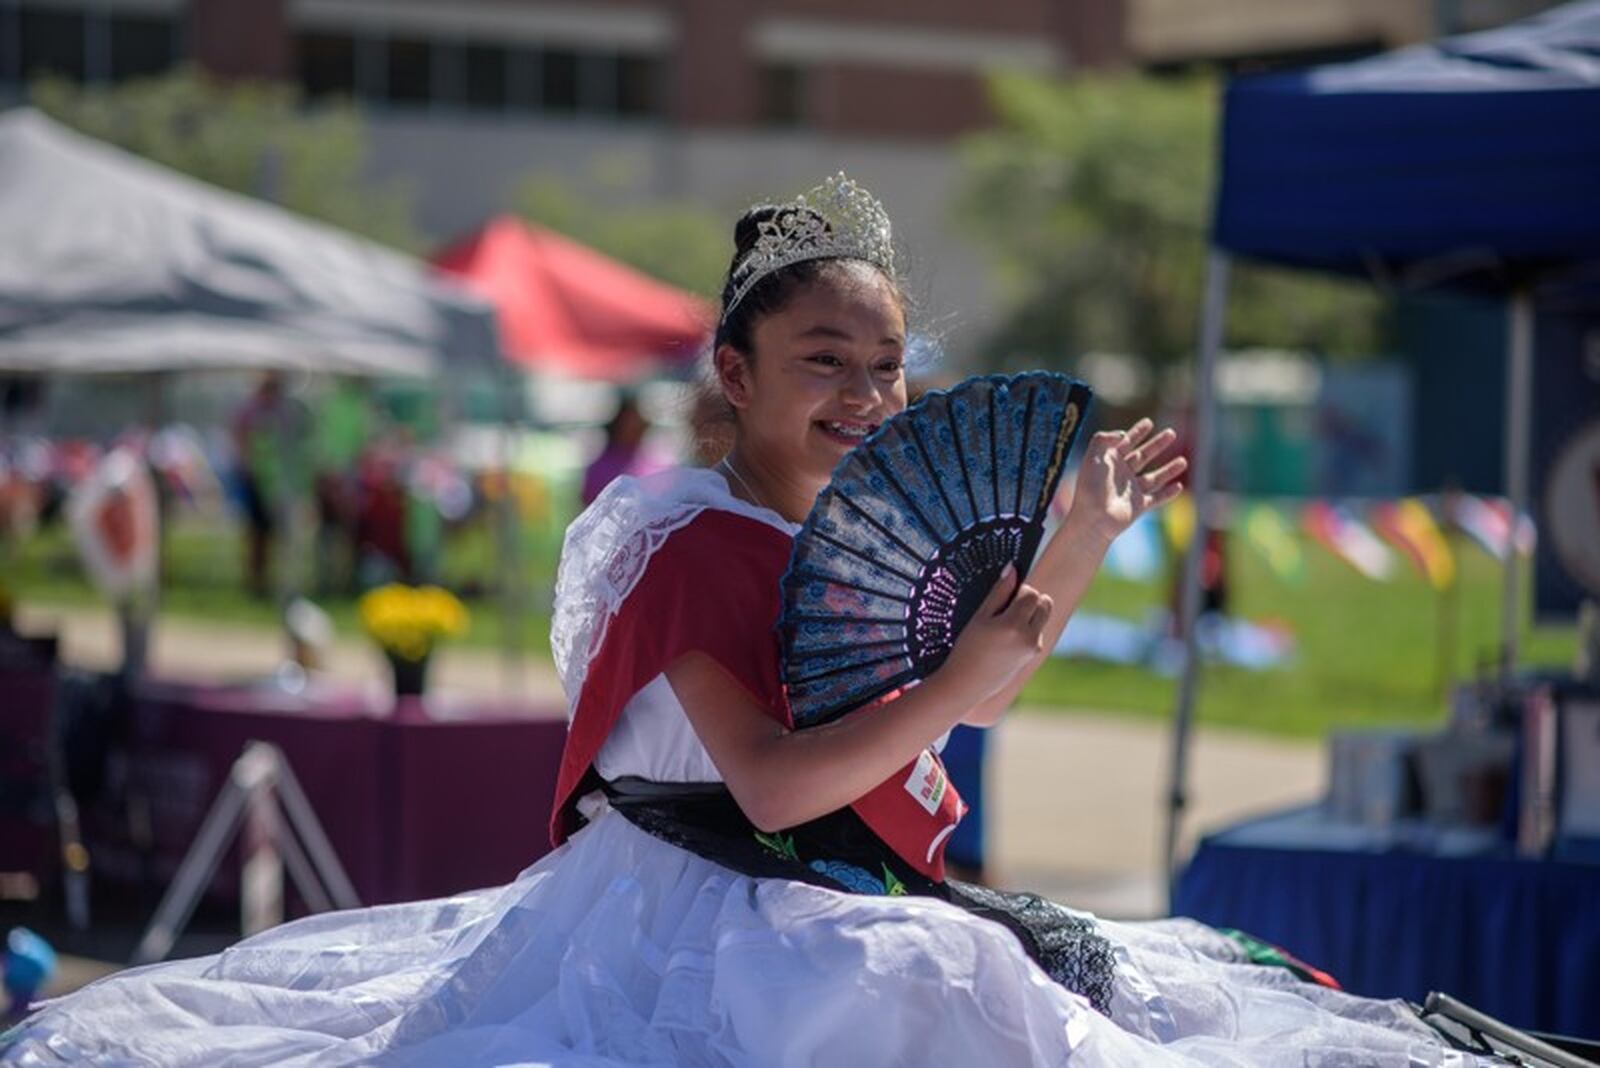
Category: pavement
[1076,798]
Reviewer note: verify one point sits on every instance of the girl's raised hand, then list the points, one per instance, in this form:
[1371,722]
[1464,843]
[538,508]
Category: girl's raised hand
[1120,478]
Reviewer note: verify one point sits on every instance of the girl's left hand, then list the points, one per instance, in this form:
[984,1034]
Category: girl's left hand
[1119,479]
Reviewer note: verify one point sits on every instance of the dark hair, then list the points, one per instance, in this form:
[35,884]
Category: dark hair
[627,405]
[774,291]
[711,418]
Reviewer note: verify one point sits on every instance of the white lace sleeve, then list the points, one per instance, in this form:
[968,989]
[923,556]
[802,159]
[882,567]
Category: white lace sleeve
[607,547]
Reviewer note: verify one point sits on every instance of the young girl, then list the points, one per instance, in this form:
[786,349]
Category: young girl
[730,890]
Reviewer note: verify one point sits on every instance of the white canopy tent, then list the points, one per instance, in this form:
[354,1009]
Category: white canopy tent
[110,263]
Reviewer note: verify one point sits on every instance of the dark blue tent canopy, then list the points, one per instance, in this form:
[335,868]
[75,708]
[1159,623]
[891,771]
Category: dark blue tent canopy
[1473,161]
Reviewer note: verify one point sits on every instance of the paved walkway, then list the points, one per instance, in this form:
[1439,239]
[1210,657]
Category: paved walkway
[186,648]
[1075,802]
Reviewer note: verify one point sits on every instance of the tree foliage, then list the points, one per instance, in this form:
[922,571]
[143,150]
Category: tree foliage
[678,243]
[253,138]
[1093,196]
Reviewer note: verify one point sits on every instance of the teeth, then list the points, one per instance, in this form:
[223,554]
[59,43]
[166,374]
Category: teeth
[849,430]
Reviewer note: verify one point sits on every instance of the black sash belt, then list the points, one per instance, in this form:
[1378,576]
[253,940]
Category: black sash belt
[840,852]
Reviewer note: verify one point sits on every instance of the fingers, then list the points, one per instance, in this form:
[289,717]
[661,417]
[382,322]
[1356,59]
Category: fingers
[1155,480]
[994,602]
[1170,492]
[1152,449]
[1135,434]
[1029,612]
[1107,441]
[1023,603]
[1039,617]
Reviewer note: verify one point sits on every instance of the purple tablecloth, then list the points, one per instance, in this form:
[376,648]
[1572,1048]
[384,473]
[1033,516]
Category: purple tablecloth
[27,821]
[414,807]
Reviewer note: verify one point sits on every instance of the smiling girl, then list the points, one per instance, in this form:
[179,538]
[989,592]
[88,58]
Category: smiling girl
[729,890]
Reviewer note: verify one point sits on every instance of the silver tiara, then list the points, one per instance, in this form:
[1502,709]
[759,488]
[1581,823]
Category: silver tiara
[836,220]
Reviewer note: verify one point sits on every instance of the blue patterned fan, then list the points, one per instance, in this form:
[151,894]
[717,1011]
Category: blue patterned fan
[913,531]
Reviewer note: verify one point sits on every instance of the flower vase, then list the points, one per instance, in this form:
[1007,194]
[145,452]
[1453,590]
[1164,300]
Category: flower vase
[410,676]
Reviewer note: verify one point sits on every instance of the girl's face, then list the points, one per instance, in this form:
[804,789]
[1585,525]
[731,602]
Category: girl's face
[826,370]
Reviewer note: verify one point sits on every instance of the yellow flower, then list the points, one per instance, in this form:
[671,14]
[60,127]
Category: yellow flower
[407,621]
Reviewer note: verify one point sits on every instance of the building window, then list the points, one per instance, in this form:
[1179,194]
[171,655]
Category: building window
[783,95]
[327,64]
[53,42]
[558,81]
[597,83]
[639,80]
[524,79]
[480,75]
[141,46]
[485,77]
[409,75]
[10,45]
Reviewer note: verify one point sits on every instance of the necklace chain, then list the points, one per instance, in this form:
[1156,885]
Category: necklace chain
[755,498]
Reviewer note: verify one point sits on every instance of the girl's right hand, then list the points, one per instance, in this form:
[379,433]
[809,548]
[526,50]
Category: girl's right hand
[1002,640]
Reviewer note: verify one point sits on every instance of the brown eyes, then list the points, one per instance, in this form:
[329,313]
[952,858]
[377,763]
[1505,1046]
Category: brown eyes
[826,359]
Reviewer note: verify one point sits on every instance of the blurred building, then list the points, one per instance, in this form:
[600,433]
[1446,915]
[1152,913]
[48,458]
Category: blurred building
[712,101]
[1246,35]
[896,68]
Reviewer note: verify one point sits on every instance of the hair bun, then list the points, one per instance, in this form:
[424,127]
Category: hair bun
[748,228]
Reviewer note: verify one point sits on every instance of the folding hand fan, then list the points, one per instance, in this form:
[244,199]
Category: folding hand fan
[913,531]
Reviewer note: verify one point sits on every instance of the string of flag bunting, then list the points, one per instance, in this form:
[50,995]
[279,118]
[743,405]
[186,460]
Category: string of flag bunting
[1375,538]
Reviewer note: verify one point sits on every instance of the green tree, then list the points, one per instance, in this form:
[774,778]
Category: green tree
[678,243]
[254,138]
[1092,195]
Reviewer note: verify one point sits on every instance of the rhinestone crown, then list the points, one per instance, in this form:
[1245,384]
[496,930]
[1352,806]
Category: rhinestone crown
[836,220]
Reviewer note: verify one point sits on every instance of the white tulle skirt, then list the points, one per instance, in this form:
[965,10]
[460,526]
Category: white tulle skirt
[621,949]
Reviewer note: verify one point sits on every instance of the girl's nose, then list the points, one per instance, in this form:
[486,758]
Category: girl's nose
[860,389]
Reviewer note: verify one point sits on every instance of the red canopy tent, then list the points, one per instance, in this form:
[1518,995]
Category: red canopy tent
[564,307]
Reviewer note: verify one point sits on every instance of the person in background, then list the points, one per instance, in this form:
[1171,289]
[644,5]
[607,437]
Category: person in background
[342,426]
[624,452]
[257,427]
[383,553]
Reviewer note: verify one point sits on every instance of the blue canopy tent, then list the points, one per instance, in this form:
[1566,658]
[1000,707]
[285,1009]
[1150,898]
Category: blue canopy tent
[1471,163]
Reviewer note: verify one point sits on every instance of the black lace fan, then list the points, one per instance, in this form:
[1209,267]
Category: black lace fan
[913,531]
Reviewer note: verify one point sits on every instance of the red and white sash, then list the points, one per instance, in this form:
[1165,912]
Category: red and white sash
[713,586]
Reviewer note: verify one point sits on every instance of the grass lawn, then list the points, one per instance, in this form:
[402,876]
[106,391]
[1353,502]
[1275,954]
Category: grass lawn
[1369,653]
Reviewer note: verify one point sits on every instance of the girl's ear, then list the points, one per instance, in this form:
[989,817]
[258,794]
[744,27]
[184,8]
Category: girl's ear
[733,374]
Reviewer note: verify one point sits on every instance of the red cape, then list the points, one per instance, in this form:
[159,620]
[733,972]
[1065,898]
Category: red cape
[697,592]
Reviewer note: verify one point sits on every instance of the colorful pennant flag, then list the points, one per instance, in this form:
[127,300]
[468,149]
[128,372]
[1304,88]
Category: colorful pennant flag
[1270,535]
[1348,538]
[1177,521]
[1487,521]
[1408,526]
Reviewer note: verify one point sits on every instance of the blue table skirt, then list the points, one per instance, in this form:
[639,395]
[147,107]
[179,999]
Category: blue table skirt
[1516,938]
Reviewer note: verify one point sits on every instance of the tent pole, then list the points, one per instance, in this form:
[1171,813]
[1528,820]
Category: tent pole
[513,614]
[1212,317]
[1519,392]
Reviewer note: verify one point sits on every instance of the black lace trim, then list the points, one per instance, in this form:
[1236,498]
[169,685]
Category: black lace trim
[1069,947]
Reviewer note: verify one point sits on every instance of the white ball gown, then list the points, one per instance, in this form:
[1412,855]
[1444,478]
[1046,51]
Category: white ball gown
[621,949]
